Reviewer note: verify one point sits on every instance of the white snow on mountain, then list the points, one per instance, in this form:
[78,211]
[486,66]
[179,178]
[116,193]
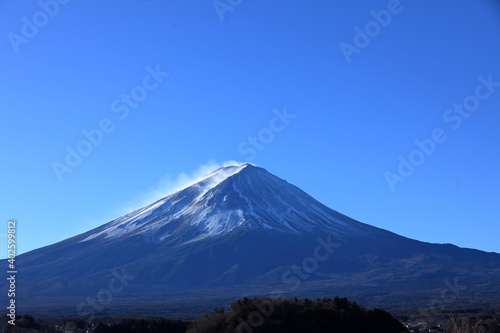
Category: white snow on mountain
[243,196]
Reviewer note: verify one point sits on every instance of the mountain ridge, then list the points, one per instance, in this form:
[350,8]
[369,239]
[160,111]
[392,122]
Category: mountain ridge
[234,208]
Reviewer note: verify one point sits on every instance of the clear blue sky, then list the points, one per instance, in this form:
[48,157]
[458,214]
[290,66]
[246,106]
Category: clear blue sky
[71,71]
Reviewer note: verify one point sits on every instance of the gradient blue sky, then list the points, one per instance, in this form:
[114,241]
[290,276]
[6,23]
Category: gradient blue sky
[352,120]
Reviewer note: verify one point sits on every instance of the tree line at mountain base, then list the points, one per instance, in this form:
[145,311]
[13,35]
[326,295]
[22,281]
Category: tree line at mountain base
[297,315]
[261,315]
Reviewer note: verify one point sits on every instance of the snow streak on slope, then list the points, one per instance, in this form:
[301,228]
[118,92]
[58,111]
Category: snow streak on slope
[129,223]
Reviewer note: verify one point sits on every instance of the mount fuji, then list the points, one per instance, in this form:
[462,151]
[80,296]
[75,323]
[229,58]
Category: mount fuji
[241,231]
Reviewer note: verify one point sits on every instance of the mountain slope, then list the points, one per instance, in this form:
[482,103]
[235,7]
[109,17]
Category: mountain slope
[232,198]
[244,230]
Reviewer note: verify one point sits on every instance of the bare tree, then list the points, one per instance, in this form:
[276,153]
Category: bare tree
[462,324]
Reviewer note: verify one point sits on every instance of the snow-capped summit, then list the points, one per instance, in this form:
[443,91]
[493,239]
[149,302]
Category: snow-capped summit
[229,198]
